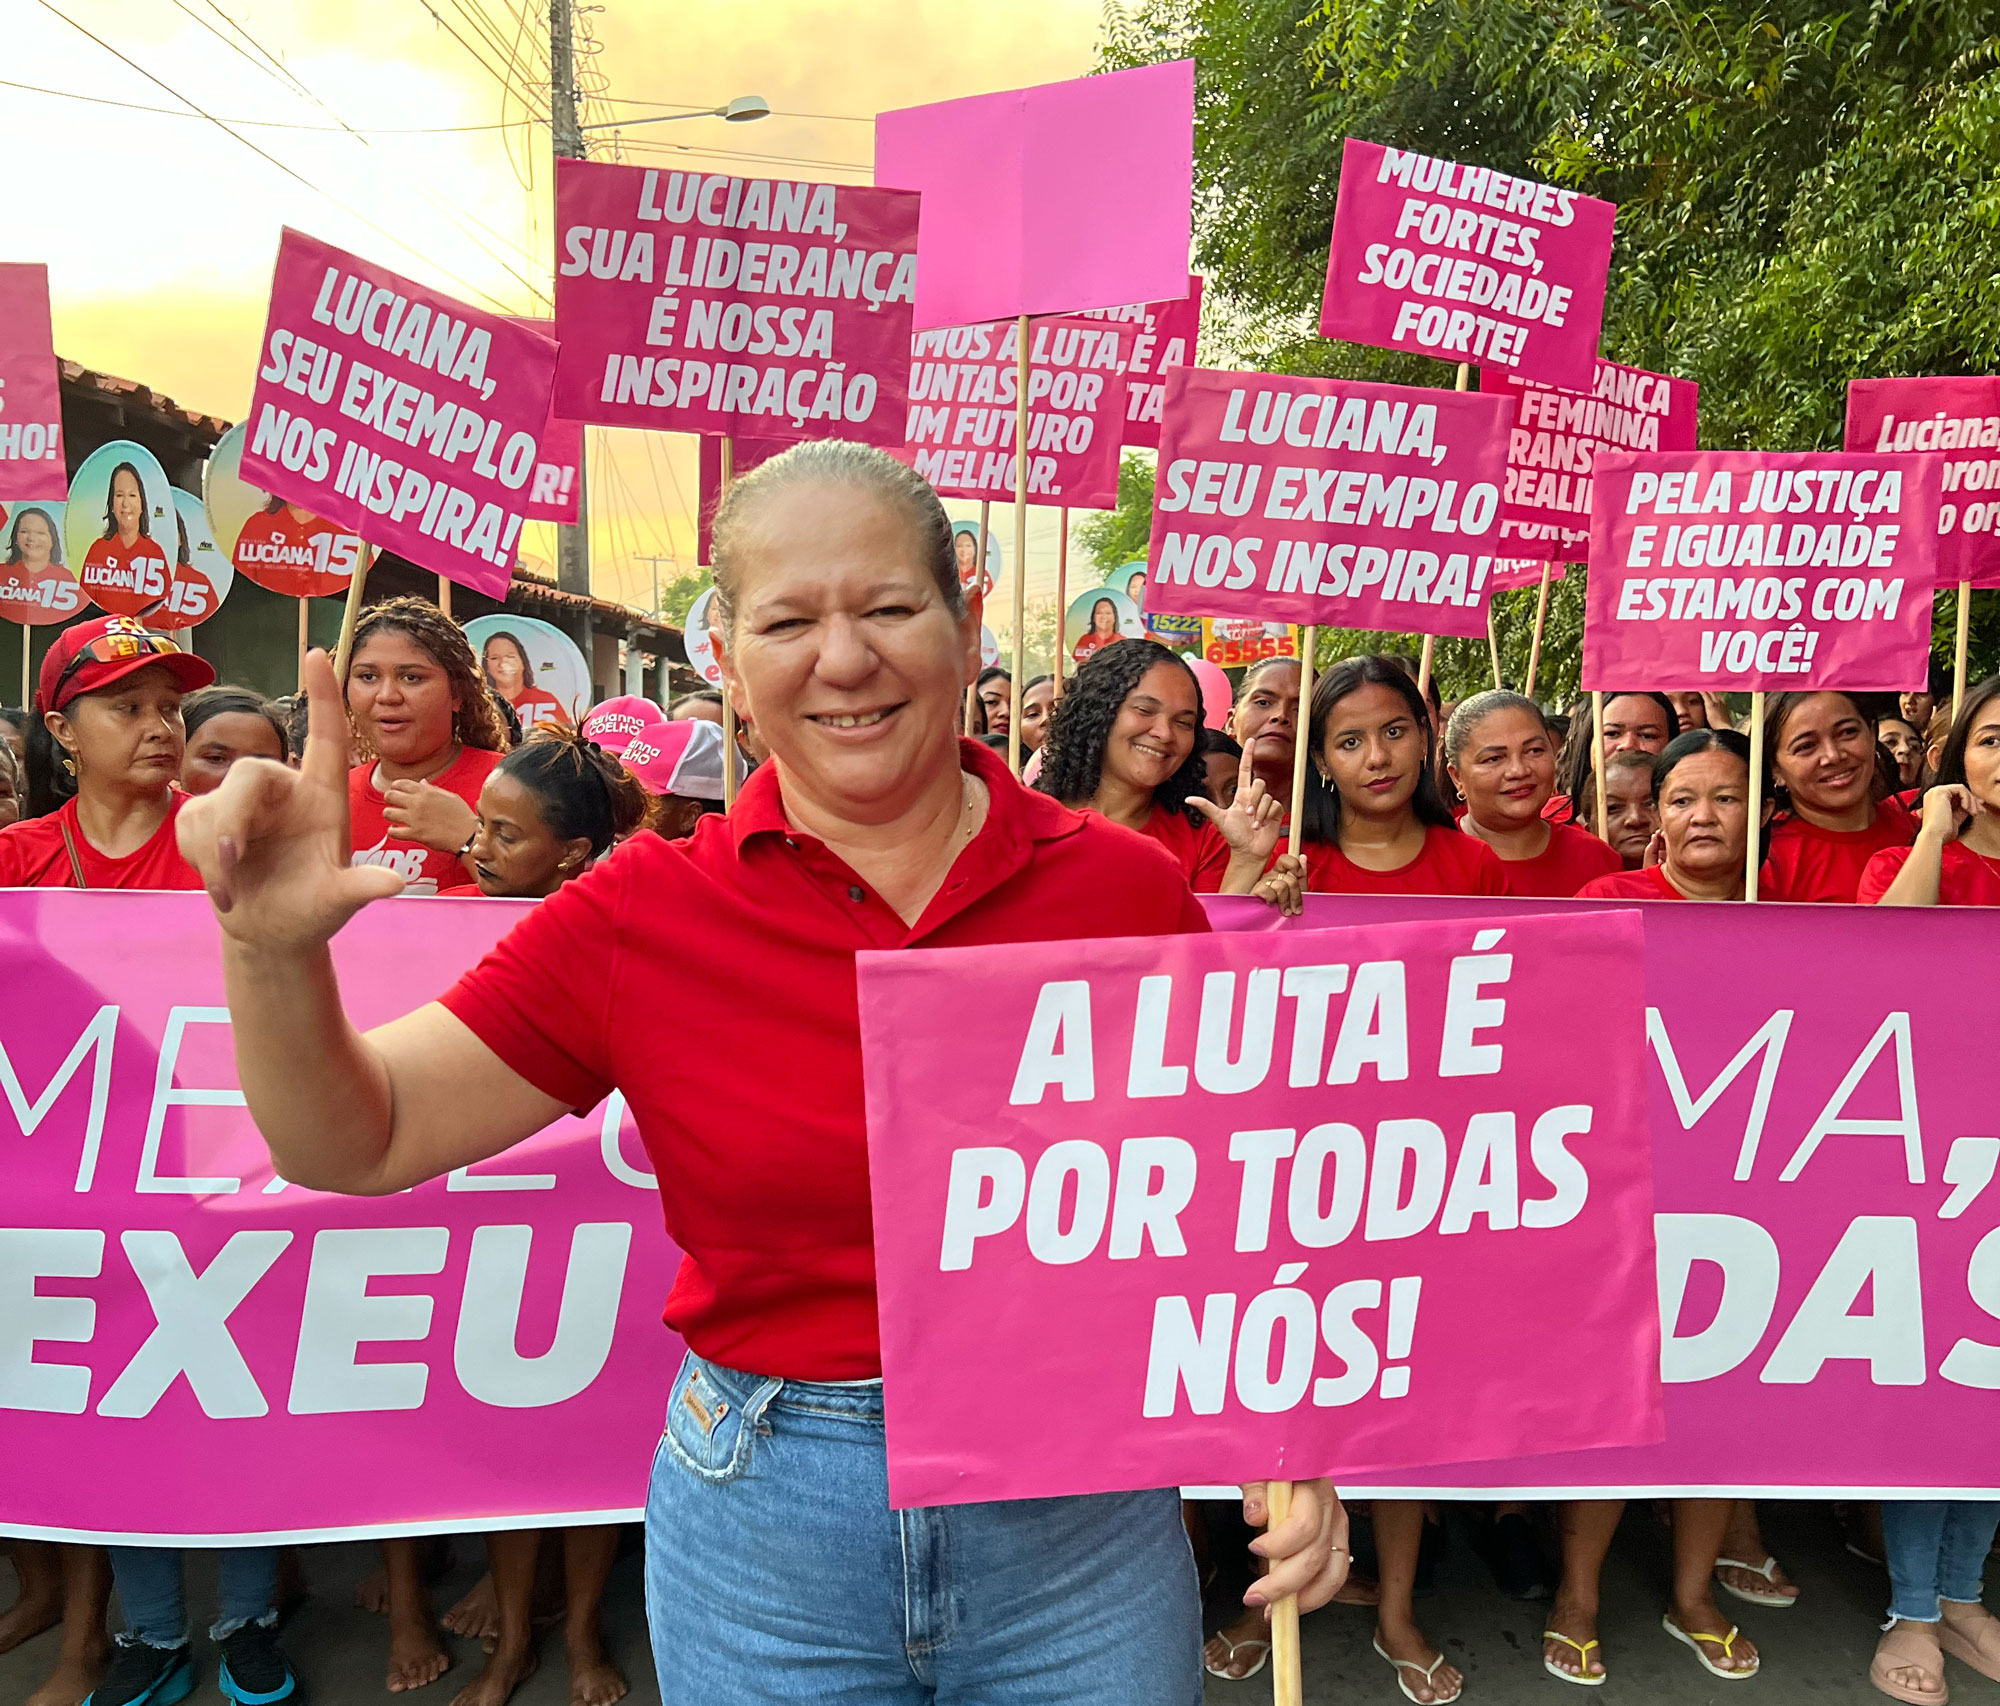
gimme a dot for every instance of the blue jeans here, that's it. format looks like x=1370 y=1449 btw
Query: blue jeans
x=1937 y=1551
x=776 y=1571
x=155 y=1603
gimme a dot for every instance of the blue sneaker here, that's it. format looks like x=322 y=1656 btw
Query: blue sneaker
x=144 y=1676
x=254 y=1671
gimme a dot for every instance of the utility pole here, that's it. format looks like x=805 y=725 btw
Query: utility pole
x=572 y=542
x=656 y=561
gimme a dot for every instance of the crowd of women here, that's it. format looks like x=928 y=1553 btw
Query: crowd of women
x=848 y=645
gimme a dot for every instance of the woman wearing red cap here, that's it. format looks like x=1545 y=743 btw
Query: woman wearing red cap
x=109 y=749
x=848 y=638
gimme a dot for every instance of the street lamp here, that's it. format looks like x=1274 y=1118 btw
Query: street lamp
x=741 y=110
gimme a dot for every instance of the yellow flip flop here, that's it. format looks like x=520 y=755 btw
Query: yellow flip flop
x=1689 y=1638
x=1582 y=1678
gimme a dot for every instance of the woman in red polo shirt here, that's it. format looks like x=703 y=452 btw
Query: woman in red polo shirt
x=429 y=737
x=1121 y=743
x=1822 y=776
x=1375 y=822
x=848 y=639
x=1956 y=858
x=109 y=750
x=1501 y=756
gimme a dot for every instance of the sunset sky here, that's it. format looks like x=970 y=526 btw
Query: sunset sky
x=159 y=228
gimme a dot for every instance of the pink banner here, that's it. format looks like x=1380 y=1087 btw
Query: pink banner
x=1049 y=200
x=557 y=483
x=1545 y=508
x=1165 y=335
x=963 y=386
x=1829 y=1264
x=399 y=412
x=1512 y=573
x=1123 y=1177
x=1751 y=569
x=31 y=437
x=311 y=1366
x=1467 y=264
x=693 y=302
x=1328 y=501
x=1959 y=419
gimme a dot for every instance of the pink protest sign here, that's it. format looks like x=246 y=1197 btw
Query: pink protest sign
x=1826 y=1197
x=313 y=1366
x=1467 y=264
x=1959 y=419
x=1165 y=334
x=963 y=386
x=31 y=440
x=557 y=483
x=1117 y=1167
x=1052 y=199
x=1752 y=569
x=1327 y=501
x=696 y=302
x=1546 y=504
x=399 y=412
x=1510 y=573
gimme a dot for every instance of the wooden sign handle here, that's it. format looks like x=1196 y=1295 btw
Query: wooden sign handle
x=357 y=591
x=1308 y=644
x=1287 y=1678
x=1541 y=621
x=731 y=764
x=1959 y=644
x=1752 y=838
x=1020 y=539
x=1597 y=767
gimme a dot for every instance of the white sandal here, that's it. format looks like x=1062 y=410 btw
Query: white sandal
x=1236 y=1647
x=1775 y=1600
x=1427 y=1672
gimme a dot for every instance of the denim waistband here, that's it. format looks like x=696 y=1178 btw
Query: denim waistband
x=859 y=1399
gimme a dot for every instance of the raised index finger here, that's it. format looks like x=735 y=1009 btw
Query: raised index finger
x=325 y=758
x=1245 y=770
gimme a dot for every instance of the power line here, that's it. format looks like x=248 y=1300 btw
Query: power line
x=742 y=154
x=700 y=107
x=257 y=123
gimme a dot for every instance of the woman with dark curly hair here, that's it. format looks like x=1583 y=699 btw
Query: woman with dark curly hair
x=1122 y=744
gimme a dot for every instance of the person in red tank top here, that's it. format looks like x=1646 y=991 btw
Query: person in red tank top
x=429 y=734
x=1501 y=756
x=1122 y=744
x=1822 y=774
x=1956 y=858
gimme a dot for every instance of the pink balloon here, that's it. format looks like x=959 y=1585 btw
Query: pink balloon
x=1216 y=694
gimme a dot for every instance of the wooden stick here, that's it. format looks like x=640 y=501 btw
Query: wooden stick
x=305 y=639
x=1752 y=830
x=27 y=667
x=1959 y=645
x=978 y=586
x=1492 y=641
x=1535 y=645
x=1308 y=645
x=1287 y=1679
x=971 y=699
x=1424 y=665
x=1020 y=539
x=1062 y=598
x=357 y=590
x=731 y=769
x=1597 y=766
x=444 y=595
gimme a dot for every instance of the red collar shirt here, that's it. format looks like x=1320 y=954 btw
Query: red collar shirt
x=745 y=933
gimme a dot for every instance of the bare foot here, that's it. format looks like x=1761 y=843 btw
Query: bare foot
x=477 y=1615
x=75 y=1675
x=502 y=1673
x=30 y=1615
x=371 y=1593
x=1358 y=1590
x=593 y=1679
x=1236 y=1649
x=417 y=1658
x=1419 y=1665
x=1568 y=1618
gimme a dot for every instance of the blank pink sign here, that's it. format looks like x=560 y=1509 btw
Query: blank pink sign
x=1048 y=200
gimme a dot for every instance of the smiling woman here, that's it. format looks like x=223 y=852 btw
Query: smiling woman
x=1822 y=773
x=843 y=633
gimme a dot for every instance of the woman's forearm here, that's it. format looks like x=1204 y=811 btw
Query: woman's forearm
x=1242 y=874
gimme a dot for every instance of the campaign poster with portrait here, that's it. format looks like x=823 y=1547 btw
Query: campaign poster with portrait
x=282 y=546
x=1236 y=642
x=202 y=574
x=119 y=531
x=965 y=542
x=37 y=585
x=700 y=642
x=1096 y=618
x=535 y=667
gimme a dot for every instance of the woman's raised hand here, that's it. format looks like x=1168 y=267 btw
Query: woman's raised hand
x=1253 y=821
x=1948 y=809
x=272 y=844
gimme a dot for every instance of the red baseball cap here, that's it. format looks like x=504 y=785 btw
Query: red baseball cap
x=90 y=655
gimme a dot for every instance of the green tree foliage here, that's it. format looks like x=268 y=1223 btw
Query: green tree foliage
x=1109 y=537
x=1807 y=193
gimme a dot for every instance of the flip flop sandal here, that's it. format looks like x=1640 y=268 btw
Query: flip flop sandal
x=1981 y=1651
x=1903 y=1649
x=1768 y=1570
x=1427 y=1672
x=1727 y=1643
x=1582 y=1678
x=1236 y=1647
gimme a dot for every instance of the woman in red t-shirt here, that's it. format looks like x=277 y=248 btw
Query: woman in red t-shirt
x=1701 y=796
x=1501 y=756
x=843 y=631
x=1822 y=775
x=125 y=570
x=1956 y=858
x=1265 y=720
x=1375 y=822
x=109 y=750
x=1122 y=744
x=429 y=736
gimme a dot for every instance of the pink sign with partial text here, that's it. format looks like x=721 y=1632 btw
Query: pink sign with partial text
x=1958 y=420
x=31 y=435
x=1165 y=334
